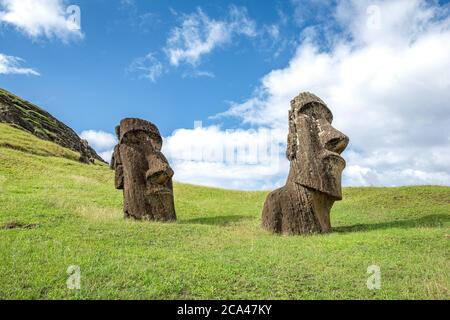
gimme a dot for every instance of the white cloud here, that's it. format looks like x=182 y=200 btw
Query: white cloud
x=102 y=142
x=99 y=140
x=387 y=85
x=41 y=18
x=198 y=74
x=273 y=31
x=197 y=35
x=313 y=11
x=200 y=34
x=147 y=67
x=12 y=65
x=107 y=155
x=216 y=174
x=236 y=159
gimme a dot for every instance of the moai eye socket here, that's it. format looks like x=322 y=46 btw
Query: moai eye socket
x=135 y=137
x=316 y=111
x=156 y=141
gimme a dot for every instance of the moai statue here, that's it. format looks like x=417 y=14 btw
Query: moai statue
x=143 y=172
x=303 y=205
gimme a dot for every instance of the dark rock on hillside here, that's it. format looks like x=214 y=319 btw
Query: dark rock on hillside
x=31 y=118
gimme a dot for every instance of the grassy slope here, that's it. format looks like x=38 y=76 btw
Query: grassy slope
x=37 y=121
x=216 y=249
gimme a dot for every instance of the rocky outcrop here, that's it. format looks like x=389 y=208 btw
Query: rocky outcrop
x=29 y=117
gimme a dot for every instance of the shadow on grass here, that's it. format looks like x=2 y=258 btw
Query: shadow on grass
x=434 y=220
x=217 y=221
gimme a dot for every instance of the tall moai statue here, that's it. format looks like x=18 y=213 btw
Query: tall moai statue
x=143 y=172
x=303 y=205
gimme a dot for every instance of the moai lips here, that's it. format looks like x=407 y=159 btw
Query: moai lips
x=314 y=183
x=143 y=172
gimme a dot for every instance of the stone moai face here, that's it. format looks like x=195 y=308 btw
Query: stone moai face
x=143 y=172
x=314 y=146
x=303 y=204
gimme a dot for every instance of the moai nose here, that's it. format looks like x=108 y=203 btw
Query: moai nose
x=160 y=177
x=159 y=171
x=334 y=140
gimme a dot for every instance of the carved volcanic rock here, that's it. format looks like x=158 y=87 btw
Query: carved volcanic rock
x=303 y=205
x=28 y=117
x=143 y=172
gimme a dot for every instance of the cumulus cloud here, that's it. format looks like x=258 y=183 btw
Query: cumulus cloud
x=236 y=159
x=200 y=34
x=42 y=18
x=12 y=65
x=237 y=177
x=106 y=155
x=384 y=78
x=102 y=142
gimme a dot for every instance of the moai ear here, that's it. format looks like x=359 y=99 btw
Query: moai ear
x=156 y=141
x=112 y=164
x=292 y=139
x=302 y=137
x=119 y=178
x=307 y=158
x=118 y=132
x=116 y=165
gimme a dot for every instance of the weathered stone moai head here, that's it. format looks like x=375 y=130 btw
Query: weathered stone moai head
x=143 y=172
x=314 y=183
x=314 y=146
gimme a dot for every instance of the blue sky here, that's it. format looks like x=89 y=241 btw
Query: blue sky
x=86 y=83
x=235 y=65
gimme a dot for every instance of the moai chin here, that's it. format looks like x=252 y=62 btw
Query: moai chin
x=303 y=205
x=143 y=172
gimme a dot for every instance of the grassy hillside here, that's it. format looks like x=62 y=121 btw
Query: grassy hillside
x=56 y=212
x=32 y=119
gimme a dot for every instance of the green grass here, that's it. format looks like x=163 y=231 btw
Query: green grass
x=14 y=138
x=71 y=215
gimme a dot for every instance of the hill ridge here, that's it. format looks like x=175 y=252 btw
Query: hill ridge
x=40 y=123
